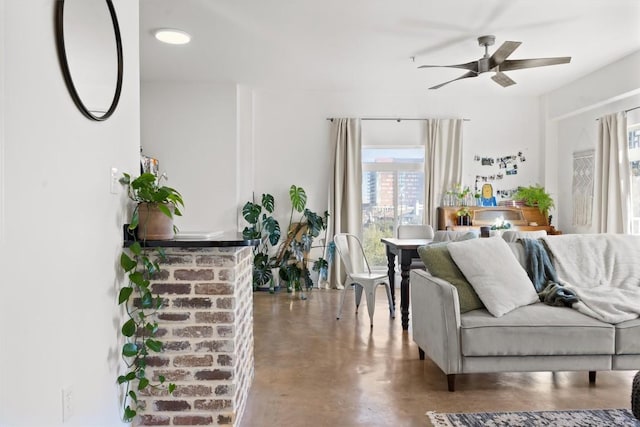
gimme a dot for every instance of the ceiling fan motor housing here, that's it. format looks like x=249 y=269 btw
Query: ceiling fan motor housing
x=486 y=40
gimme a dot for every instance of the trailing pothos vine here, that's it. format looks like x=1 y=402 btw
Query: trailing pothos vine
x=140 y=326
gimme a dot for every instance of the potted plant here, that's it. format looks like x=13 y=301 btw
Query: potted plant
x=156 y=205
x=464 y=216
x=140 y=265
x=535 y=195
x=263 y=226
x=292 y=256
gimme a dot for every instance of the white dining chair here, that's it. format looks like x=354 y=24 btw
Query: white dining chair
x=359 y=274
x=415 y=231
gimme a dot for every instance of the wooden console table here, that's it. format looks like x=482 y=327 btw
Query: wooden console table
x=523 y=218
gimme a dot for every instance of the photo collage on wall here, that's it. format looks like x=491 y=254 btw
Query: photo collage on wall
x=505 y=165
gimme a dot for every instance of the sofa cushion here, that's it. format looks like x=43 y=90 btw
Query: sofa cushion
x=453 y=236
x=514 y=235
x=628 y=337
x=495 y=274
x=439 y=263
x=532 y=330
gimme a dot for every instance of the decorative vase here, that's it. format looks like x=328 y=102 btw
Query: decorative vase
x=153 y=224
x=635 y=396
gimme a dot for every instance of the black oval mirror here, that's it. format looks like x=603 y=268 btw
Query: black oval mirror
x=90 y=52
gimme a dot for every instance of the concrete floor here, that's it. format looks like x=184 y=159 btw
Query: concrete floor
x=314 y=370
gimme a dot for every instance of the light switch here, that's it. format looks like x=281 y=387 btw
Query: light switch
x=115 y=185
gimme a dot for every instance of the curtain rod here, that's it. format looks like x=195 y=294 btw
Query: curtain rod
x=397 y=119
x=626 y=111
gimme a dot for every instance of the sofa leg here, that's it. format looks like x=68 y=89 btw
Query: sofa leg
x=592 y=377
x=421 y=353
x=451 y=382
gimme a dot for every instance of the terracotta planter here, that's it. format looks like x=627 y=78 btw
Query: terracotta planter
x=153 y=224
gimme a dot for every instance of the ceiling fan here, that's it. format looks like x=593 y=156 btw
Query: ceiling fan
x=498 y=62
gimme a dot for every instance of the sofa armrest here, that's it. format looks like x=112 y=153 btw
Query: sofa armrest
x=435 y=320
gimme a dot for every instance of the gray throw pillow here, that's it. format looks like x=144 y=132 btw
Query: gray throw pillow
x=439 y=263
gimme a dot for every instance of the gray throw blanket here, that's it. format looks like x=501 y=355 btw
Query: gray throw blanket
x=543 y=275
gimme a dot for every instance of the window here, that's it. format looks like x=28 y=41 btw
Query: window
x=634 y=158
x=392 y=194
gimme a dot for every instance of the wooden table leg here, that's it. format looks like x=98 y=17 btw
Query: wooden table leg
x=405 y=267
x=391 y=265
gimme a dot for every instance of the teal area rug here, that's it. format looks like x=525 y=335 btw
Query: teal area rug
x=577 y=418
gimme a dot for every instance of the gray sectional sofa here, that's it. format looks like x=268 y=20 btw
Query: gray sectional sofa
x=535 y=336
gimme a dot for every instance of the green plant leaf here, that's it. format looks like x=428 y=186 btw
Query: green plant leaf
x=251 y=212
x=161 y=378
x=315 y=222
x=129 y=349
x=172 y=388
x=129 y=414
x=154 y=345
x=152 y=327
x=133 y=396
x=135 y=219
x=268 y=202
x=129 y=328
x=143 y=383
x=272 y=227
x=127 y=263
x=165 y=210
x=137 y=278
x=126 y=378
x=147 y=299
x=124 y=294
x=158 y=303
x=135 y=248
x=298 y=198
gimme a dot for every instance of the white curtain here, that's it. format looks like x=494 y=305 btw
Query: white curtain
x=442 y=162
x=345 y=189
x=613 y=176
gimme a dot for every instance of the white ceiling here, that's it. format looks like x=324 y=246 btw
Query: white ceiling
x=367 y=44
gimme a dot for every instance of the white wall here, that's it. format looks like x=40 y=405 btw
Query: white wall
x=191 y=128
x=292 y=135
x=571 y=114
x=62 y=233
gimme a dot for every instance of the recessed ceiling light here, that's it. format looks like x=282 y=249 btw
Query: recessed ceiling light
x=172 y=36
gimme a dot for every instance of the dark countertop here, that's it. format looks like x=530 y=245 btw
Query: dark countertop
x=224 y=240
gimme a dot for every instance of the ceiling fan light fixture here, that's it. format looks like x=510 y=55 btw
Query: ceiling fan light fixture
x=172 y=36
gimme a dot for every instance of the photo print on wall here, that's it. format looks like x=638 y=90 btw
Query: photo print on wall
x=507 y=166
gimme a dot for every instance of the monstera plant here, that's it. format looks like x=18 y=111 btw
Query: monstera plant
x=262 y=226
x=292 y=256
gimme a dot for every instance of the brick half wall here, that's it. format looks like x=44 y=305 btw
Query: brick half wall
x=206 y=327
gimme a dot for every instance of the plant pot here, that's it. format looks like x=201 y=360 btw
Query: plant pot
x=153 y=224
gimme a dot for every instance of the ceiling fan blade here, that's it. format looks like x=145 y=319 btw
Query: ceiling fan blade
x=502 y=79
x=471 y=66
x=503 y=53
x=518 y=64
x=464 y=76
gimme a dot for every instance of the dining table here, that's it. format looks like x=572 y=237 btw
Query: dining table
x=406 y=250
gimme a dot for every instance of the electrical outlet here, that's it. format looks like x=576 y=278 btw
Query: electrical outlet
x=114 y=182
x=67 y=403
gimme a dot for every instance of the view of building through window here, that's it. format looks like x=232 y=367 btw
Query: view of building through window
x=392 y=194
x=634 y=158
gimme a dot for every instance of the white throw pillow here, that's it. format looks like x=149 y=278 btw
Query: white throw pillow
x=495 y=274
